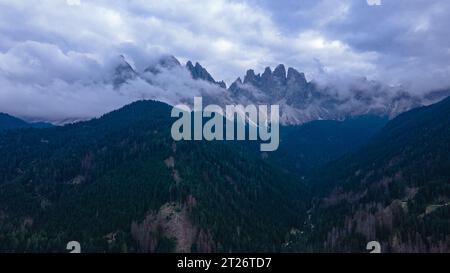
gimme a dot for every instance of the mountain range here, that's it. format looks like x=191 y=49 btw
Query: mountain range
x=368 y=163
x=300 y=100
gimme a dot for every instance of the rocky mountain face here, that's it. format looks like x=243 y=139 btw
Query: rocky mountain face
x=198 y=72
x=300 y=100
x=123 y=73
x=166 y=62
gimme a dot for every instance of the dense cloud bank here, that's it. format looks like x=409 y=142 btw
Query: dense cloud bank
x=58 y=58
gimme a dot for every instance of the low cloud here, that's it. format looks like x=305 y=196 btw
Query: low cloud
x=42 y=83
x=57 y=57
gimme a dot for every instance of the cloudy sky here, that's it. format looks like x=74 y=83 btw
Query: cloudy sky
x=50 y=48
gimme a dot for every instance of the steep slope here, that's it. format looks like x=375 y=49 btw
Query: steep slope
x=164 y=62
x=8 y=122
x=120 y=183
x=311 y=145
x=396 y=189
x=302 y=101
x=199 y=72
x=123 y=73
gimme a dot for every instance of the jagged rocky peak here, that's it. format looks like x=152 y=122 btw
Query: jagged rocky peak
x=280 y=73
x=222 y=84
x=164 y=62
x=123 y=72
x=299 y=92
x=278 y=86
x=251 y=78
x=190 y=66
x=169 y=61
x=277 y=78
x=267 y=73
x=234 y=87
x=294 y=76
x=199 y=72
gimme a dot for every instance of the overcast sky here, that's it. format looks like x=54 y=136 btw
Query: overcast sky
x=70 y=41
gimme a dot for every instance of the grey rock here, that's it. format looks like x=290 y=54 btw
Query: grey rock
x=199 y=72
x=123 y=73
x=165 y=62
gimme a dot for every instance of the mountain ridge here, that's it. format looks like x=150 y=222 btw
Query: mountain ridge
x=300 y=100
x=8 y=122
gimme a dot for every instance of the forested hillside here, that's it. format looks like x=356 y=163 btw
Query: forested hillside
x=120 y=183
x=395 y=190
x=309 y=146
x=9 y=122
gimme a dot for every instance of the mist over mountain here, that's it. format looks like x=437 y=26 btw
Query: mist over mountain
x=89 y=154
x=300 y=100
x=121 y=80
x=66 y=63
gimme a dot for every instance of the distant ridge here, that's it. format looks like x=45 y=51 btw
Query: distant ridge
x=8 y=122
